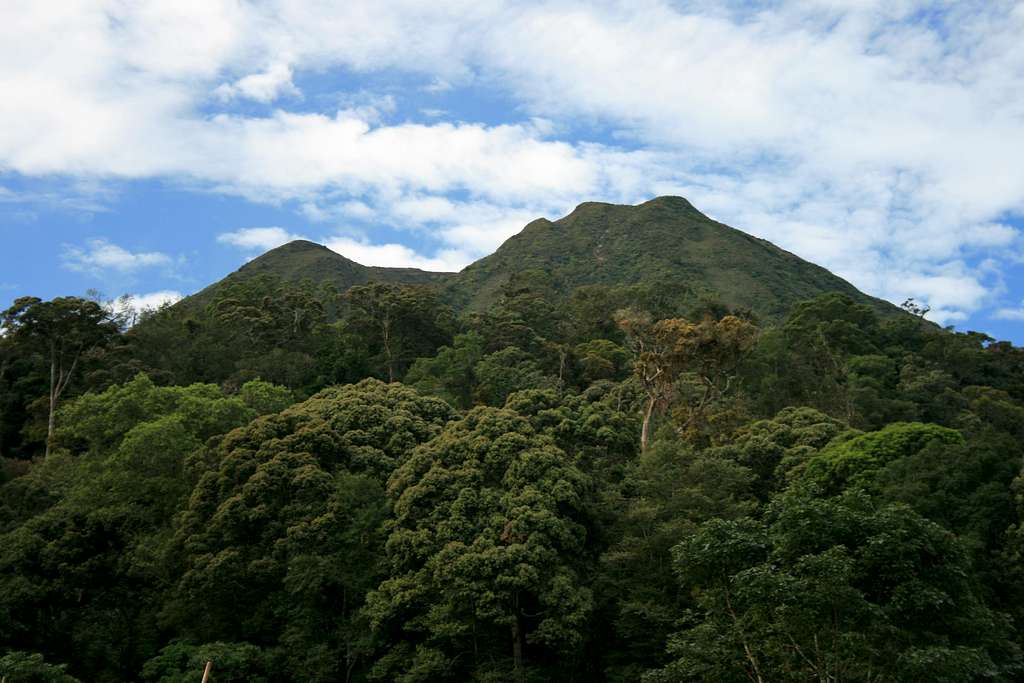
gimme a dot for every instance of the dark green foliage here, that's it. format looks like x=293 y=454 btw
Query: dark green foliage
x=395 y=324
x=834 y=589
x=828 y=489
x=292 y=508
x=451 y=374
x=666 y=493
x=59 y=335
x=601 y=359
x=182 y=663
x=484 y=556
x=504 y=372
x=770 y=448
x=81 y=553
x=24 y=667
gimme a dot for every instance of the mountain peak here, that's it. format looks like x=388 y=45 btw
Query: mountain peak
x=664 y=244
x=666 y=202
x=670 y=201
x=304 y=260
x=299 y=245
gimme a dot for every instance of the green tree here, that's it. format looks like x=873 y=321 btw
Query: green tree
x=691 y=366
x=181 y=662
x=856 y=460
x=601 y=359
x=24 y=667
x=399 y=322
x=65 y=329
x=770 y=448
x=83 y=568
x=834 y=589
x=291 y=508
x=484 y=556
x=505 y=372
x=451 y=374
x=667 y=492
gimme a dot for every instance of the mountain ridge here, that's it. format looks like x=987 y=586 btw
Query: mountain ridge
x=302 y=259
x=663 y=240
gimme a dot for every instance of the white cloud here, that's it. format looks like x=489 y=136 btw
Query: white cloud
x=265 y=86
x=394 y=255
x=438 y=85
x=130 y=306
x=100 y=255
x=1010 y=313
x=258 y=239
x=852 y=133
x=156 y=299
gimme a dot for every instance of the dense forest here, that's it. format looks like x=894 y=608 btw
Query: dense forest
x=632 y=481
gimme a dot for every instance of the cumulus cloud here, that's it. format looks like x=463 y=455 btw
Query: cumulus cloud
x=156 y=299
x=130 y=307
x=1010 y=313
x=853 y=133
x=139 y=303
x=257 y=239
x=99 y=256
x=265 y=86
x=394 y=255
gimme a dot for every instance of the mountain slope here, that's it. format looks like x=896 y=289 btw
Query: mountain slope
x=301 y=259
x=662 y=240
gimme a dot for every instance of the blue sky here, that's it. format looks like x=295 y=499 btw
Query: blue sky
x=150 y=148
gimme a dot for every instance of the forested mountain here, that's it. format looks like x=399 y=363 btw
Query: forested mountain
x=631 y=445
x=300 y=260
x=665 y=245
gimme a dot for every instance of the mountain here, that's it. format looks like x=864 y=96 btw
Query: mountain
x=301 y=259
x=664 y=240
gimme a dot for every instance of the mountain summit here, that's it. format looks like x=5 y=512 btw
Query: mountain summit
x=302 y=259
x=664 y=241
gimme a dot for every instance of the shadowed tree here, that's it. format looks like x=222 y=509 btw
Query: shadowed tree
x=64 y=329
x=834 y=589
x=398 y=322
x=484 y=556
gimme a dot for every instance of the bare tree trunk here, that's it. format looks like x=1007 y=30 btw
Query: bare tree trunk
x=51 y=419
x=645 y=428
x=58 y=383
x=3 y=373
x=386 y=334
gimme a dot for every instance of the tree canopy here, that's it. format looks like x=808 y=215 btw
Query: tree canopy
x=624 y=482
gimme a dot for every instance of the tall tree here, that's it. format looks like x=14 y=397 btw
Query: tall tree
x=399 y=322
x=834 y=589
x=703 y=355
x=65 y=329
x=292 y=508
x=484 y=554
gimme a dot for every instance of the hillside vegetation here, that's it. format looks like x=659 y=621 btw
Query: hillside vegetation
x=300 y=260
x=664 y=244
x=632 y=445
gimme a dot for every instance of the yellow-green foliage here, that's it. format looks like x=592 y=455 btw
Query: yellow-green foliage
x=854 y=460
